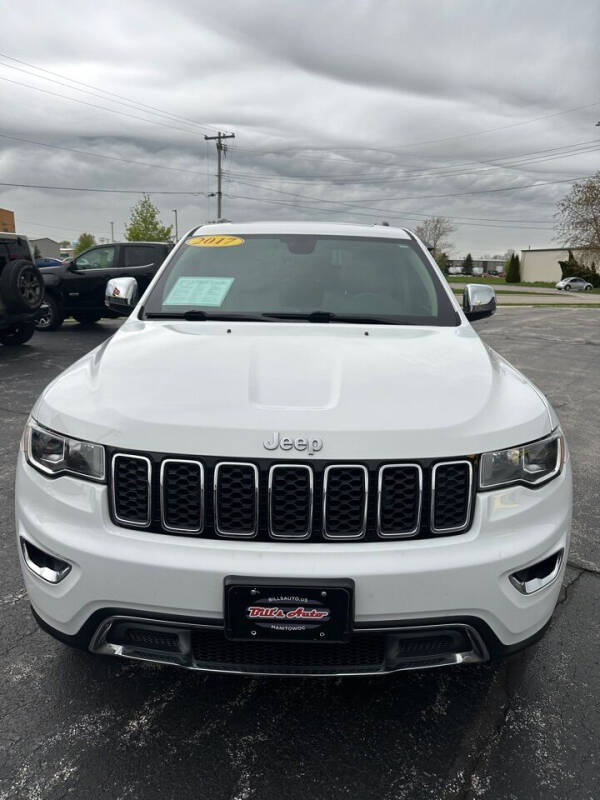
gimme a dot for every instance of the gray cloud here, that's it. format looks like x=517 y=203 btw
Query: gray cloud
x=340 y=108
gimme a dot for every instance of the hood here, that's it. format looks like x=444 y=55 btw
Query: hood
x=215 y=388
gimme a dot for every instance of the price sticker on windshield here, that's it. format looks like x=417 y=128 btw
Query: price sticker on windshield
x=192 y=291
x=215 y=241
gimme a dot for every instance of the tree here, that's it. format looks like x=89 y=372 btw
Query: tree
x=64 y=243
x=578 y=215
x=144 y=224
x=513 y=270
x=434 y=232
x=442 y=262
x=467 y=265
x=85 y=240
x=36 y=252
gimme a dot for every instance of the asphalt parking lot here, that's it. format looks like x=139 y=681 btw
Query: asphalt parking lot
x=84 y=727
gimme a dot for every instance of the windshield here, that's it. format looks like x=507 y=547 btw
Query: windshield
x=278 y=276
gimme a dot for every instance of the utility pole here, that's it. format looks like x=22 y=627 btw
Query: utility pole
x=112 y=231
x=221 y=148
x=176 y=228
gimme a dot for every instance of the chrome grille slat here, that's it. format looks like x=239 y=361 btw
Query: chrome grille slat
x=437 y=487
x=276 y=496
x=404 y=531
x=138 y=484
x=166 y=485
x=357 y=511
x=221 y=530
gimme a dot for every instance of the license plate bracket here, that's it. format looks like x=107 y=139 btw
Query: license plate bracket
x=277 y=610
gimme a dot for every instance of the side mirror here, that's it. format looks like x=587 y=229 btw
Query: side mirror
x=479 y=301
x=121 y=295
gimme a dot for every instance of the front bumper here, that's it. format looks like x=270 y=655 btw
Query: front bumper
x=403 y=582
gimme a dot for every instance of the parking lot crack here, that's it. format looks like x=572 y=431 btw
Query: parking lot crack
x=567 y=587
x=584 y=566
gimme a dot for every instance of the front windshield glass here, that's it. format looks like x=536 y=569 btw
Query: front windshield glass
x=341 y=276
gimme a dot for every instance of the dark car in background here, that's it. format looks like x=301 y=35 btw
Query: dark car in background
x=48 y=262
x=76 y=288
x=21 y=290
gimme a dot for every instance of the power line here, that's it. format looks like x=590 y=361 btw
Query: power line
x=377 y=215
x=88 y=189
x=590 y=145
x=98 y=92
x=350 y=204
x=450 y=138
x=475 y=191
x=93 y=105
x=99 y=155
x=486 y=191
x=45 y=225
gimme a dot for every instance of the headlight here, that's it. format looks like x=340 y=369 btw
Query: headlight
x=531 y=464
x=55 y=454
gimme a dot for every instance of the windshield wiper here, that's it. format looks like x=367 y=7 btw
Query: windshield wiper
x=196 y=314
x=330 y=316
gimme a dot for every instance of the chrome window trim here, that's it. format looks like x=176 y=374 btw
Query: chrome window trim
x=363 y=530
x=148 y=482
x=401 y=534
x=163 y=521
x=465 y=524
x=311 y=494
x=218 y=530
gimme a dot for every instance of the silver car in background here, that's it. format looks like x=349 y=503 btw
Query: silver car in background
x=574 y=285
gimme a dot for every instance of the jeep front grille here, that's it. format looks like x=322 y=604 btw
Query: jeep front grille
x=311 y=501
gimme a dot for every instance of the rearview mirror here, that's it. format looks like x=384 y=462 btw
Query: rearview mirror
x=121 y=295
x=479 y=301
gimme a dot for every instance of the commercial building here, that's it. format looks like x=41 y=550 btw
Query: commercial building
x=542 y=264
x=7 y=221
x=47 y=248
x=480 y=265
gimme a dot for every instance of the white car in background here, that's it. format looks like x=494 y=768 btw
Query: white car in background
x=295 y=457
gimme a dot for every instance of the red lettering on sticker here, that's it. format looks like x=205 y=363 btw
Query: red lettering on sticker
x=274 y=612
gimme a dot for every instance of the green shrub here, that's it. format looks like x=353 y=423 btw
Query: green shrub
x=513 y=271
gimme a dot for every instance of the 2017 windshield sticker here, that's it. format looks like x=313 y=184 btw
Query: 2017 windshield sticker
x=192 y=291
x=215 y=241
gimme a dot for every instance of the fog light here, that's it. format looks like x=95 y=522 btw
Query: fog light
x=42 y=564
x=537 y=576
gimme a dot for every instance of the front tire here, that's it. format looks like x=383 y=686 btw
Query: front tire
x=18 y=334
x=50 y=317
x=21 y=286
x=567 y=288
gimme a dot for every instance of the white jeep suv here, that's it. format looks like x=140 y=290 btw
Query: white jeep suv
x=295 y=457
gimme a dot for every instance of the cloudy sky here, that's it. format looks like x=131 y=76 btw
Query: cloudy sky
x=350 y=110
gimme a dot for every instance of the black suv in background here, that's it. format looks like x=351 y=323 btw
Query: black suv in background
x=21 y=290
x=76 y=288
